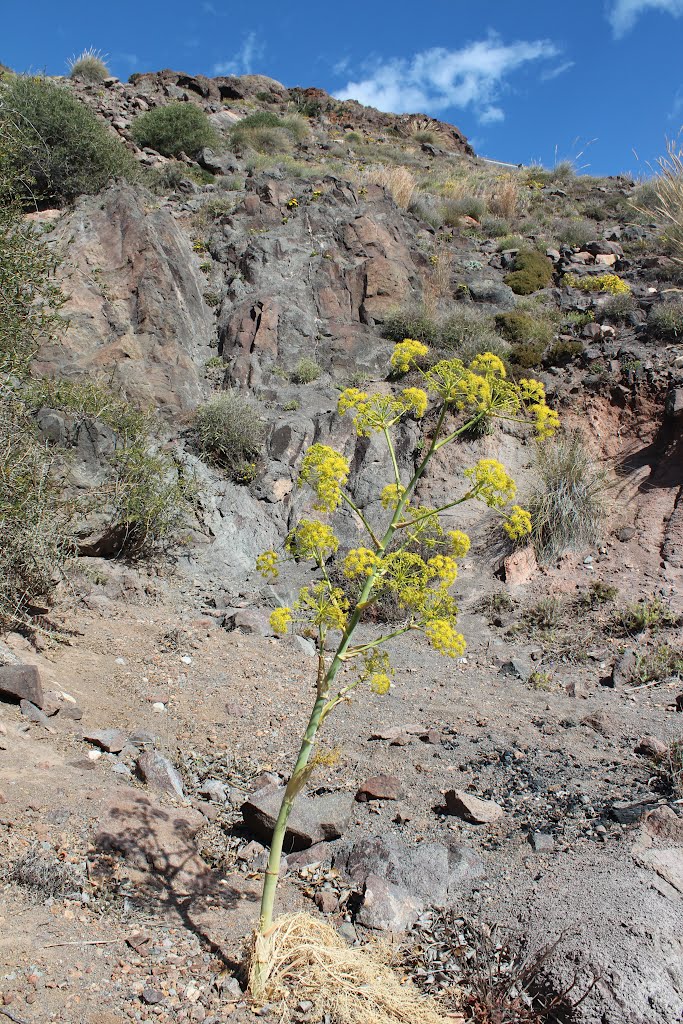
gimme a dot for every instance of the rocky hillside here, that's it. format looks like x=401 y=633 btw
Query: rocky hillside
x=536 y=785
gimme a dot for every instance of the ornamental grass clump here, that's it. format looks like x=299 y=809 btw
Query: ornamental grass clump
x=454 y=399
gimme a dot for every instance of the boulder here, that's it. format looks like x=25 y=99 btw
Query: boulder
x=313 y=819
x=380 y=787
x=158 y=772
x=21 y=682
x=387 y=906
x=432 y=872
x=471 y=808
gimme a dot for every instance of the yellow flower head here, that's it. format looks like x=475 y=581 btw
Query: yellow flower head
x=492 y=483
x=359 y=562
x=380 y=683
x=292 y=203
x=406 y=354
x=458 y=386
x=391 y=495
x=531 y=390
x=546 y=420
x=444 y=638
x=486 y=363
x=445 y=569
x=266 y=564
x=323 y=605
x=460 y=543
x=280 y=620
x=518 y=524
x=416 y=401
x=326 y=472
x=351 y=398
x=312 y=539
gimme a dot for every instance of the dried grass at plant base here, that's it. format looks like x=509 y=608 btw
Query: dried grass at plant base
x=307 y=959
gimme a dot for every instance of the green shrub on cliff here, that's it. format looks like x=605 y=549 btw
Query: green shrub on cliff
x=174 y=129
x=532 y=270
x=59 y=149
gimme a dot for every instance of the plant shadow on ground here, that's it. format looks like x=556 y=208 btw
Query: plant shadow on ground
x=179 y=879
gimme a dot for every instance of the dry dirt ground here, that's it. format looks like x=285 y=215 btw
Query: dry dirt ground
x=156 y=931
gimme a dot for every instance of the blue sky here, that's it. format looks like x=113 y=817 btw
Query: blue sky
x=598 y=81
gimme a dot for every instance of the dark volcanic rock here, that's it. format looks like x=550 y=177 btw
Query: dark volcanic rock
x=21 y=682
x=313 y=820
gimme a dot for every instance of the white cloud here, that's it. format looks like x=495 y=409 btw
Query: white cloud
x=623 y=14
x=242 y=62
x=435 y=79
x=547 y=76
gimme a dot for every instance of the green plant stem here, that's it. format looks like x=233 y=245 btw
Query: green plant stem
x=320 y=709
x=354 y=508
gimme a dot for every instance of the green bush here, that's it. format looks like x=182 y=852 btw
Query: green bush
x=531 y=271
x=466 y=331
x=60 y=150
x=34 y=518
x=562 y=353
x=527 y=354
x=618 y=308
x=410 y=322
x=495 y=227
x=305 y=371
x=90 y=66
x=574 y=231
x=568 y=507
x=518 y=327
x=666 y=319
x=508 y=242
x=174 y=129
x=266 y=132
x=230 y=432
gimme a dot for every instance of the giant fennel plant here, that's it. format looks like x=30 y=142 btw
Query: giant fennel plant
x=456 y=398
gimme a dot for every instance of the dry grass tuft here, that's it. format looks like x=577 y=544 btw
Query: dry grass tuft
x=398 y=180
x=504 y=202
x=303 y=958
x=669 y=197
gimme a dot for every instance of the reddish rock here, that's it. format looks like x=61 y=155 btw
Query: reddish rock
x=663 y=823
x=650 y=746
x=520 y=566
x=21 y=682
x=111 y=740
x=326 y=901
x=159 y=773
x=471 y=808
x=380 y=787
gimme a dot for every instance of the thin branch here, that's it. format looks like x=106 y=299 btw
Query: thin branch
x=352 y=505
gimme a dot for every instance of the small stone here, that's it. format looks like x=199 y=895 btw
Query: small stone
x=21 y=682
x=628 y=813
x=158 y=707
x=380 y=787
x=159 y=773
x=542 y=842
x=348 y=932
x=152 y=996
x=387 y=907
x=624 y=668
x=251 y=851
x=3 y=798
x=516 y=667
x=432 y=736
x=650 y=746
x=598 y=722
x=313 y=820
x=215 y=790
x=72 y=712
x=471 y=808
x=326 y=901
x=34 y=714
x=626 y=533
x=304 y=1006
x=663 y=823
x=111 y=740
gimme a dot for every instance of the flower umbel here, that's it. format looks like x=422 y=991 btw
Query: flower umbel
x=280 y=620
x=326 y=472
x=492 y=483
x=266 y=564
x=406 y=354
x=312 y=539
x=518 y=524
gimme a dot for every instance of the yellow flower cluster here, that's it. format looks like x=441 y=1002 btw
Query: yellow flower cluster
x=376 y=671
x=460 y=543
x=376 y=412
x=492 y=483
x=486 y=363
x=380 y=683
x=312 y=539
x=292 y=203
x=546 y=420
x=406 y=354
x=518 y=524
x=323 y=605
x=266 y=564
x=280 y=620
x=359 y=562
x=326 y=472
x=391 y=495
x=611 y=283
x=531 y=391
x=445 y=569
x=458 y=386
x=444 y=638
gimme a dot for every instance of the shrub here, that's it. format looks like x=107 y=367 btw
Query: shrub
x=230 y=432
x=666 y=319
x=466 y=331
x=467 y=206
x=174 y=175
x=508 y=242
x=495 y=227
x=518 y=327
x=611 y=283
x=410 y=322
x=619 y=307
x=266 y=132
x=568 y=507
x=34 y=519
x=668 y=204
x=60 y=150
x=305 y=371
x=174 y=129
x=399 y=181
x=531 y=271
x=574 y=232
x=526 y=354
x=90 y=66
x=562 y=353
x=649 y=613
x=660 y=663
x=505 y=200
